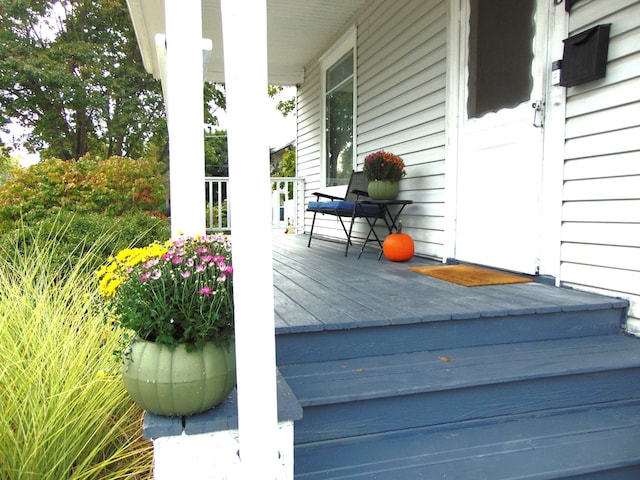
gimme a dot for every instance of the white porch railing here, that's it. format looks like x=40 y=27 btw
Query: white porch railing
x=287 y=204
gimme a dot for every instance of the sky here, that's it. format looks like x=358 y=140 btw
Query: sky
x=23 y=156
x=281 y=130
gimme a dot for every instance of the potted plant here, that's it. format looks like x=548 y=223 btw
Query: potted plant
x=383 y=170
x=175 y=302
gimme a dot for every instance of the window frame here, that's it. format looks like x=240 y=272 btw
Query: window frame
x=340 y=48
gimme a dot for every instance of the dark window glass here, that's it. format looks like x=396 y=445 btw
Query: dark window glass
x=500 y=54
x=339 y=121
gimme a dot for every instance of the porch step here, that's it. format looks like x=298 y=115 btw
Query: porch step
x=403 y=376
x=385 y=393
x=463 y=324
x=550 y=409
x=602 y=442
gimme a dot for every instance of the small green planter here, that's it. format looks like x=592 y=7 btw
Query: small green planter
x=383 y=189
x=178 y=383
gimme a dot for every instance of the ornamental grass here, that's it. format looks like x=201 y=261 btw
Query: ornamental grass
x=65 y=412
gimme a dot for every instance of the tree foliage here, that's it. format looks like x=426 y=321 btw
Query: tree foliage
x=72 y=76
x=7 y=164
x=216 y=155
x=287 y=166
x=284 y=106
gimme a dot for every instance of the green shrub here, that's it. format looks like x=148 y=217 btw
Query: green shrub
x=112 y=187
x=65 y=412
x=216 y=212
x=86 y=239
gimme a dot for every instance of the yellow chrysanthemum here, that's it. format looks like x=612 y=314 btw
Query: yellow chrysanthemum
x=115 y=272
x=109 y=284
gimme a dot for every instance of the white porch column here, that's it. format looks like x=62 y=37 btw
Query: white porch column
x=244 y=29
x=185 y=116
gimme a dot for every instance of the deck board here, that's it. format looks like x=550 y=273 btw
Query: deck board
x=319 y=288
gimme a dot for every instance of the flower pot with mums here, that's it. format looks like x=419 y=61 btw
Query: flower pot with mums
x=384 y=171
x=175 y=300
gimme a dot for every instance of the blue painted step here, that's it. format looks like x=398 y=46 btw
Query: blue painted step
x=602 y=442
x=440 y=328
x=411 y=390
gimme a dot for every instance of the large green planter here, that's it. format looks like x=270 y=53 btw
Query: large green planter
x=383 y=189
x=177 y=383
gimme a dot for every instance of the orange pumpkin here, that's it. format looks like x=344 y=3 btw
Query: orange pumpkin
x=398 y=247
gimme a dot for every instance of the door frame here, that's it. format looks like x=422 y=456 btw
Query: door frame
x=553 y=135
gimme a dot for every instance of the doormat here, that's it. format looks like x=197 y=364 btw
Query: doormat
x=469 y=276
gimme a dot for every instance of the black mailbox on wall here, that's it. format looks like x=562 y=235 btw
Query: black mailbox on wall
x=567 y=4
x=585 y=56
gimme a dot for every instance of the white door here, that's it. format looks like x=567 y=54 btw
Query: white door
x=500 y=133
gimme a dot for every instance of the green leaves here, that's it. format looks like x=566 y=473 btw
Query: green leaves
x=89 y=185
x=65 y=412
x=179 y=292
x=71 y=73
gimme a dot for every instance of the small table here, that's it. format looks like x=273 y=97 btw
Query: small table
x=390 y=219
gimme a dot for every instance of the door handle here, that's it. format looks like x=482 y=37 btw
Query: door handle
x=538 y=113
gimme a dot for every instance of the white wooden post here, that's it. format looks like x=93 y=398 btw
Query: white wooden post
x=244 y=29
x=185 y=116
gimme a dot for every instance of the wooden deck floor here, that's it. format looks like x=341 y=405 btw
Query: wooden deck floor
x=318 y=288
x=400 y=375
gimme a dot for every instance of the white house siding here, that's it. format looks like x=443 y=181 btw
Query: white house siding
x=601 y=201
x=308 y=129
x=401 y=78
x=401 y=105
x=309 y=153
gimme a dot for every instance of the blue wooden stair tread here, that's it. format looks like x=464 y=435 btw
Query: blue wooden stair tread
x=337 y=381
x=559 y=445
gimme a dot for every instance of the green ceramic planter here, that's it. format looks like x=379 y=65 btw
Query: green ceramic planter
x=178 y=383
x=383 y=189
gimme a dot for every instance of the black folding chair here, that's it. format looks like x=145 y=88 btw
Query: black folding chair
x=349 y=206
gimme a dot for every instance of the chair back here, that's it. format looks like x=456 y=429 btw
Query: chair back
x=357 y=182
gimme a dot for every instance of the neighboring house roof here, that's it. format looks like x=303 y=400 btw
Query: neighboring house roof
x=279 y=150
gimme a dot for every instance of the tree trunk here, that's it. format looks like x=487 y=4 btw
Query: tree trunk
x=80 y=144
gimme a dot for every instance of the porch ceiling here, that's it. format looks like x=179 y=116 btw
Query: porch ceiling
x=299 y=31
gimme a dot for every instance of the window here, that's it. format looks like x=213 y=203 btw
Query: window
x=500 y=54
x=339 y=81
